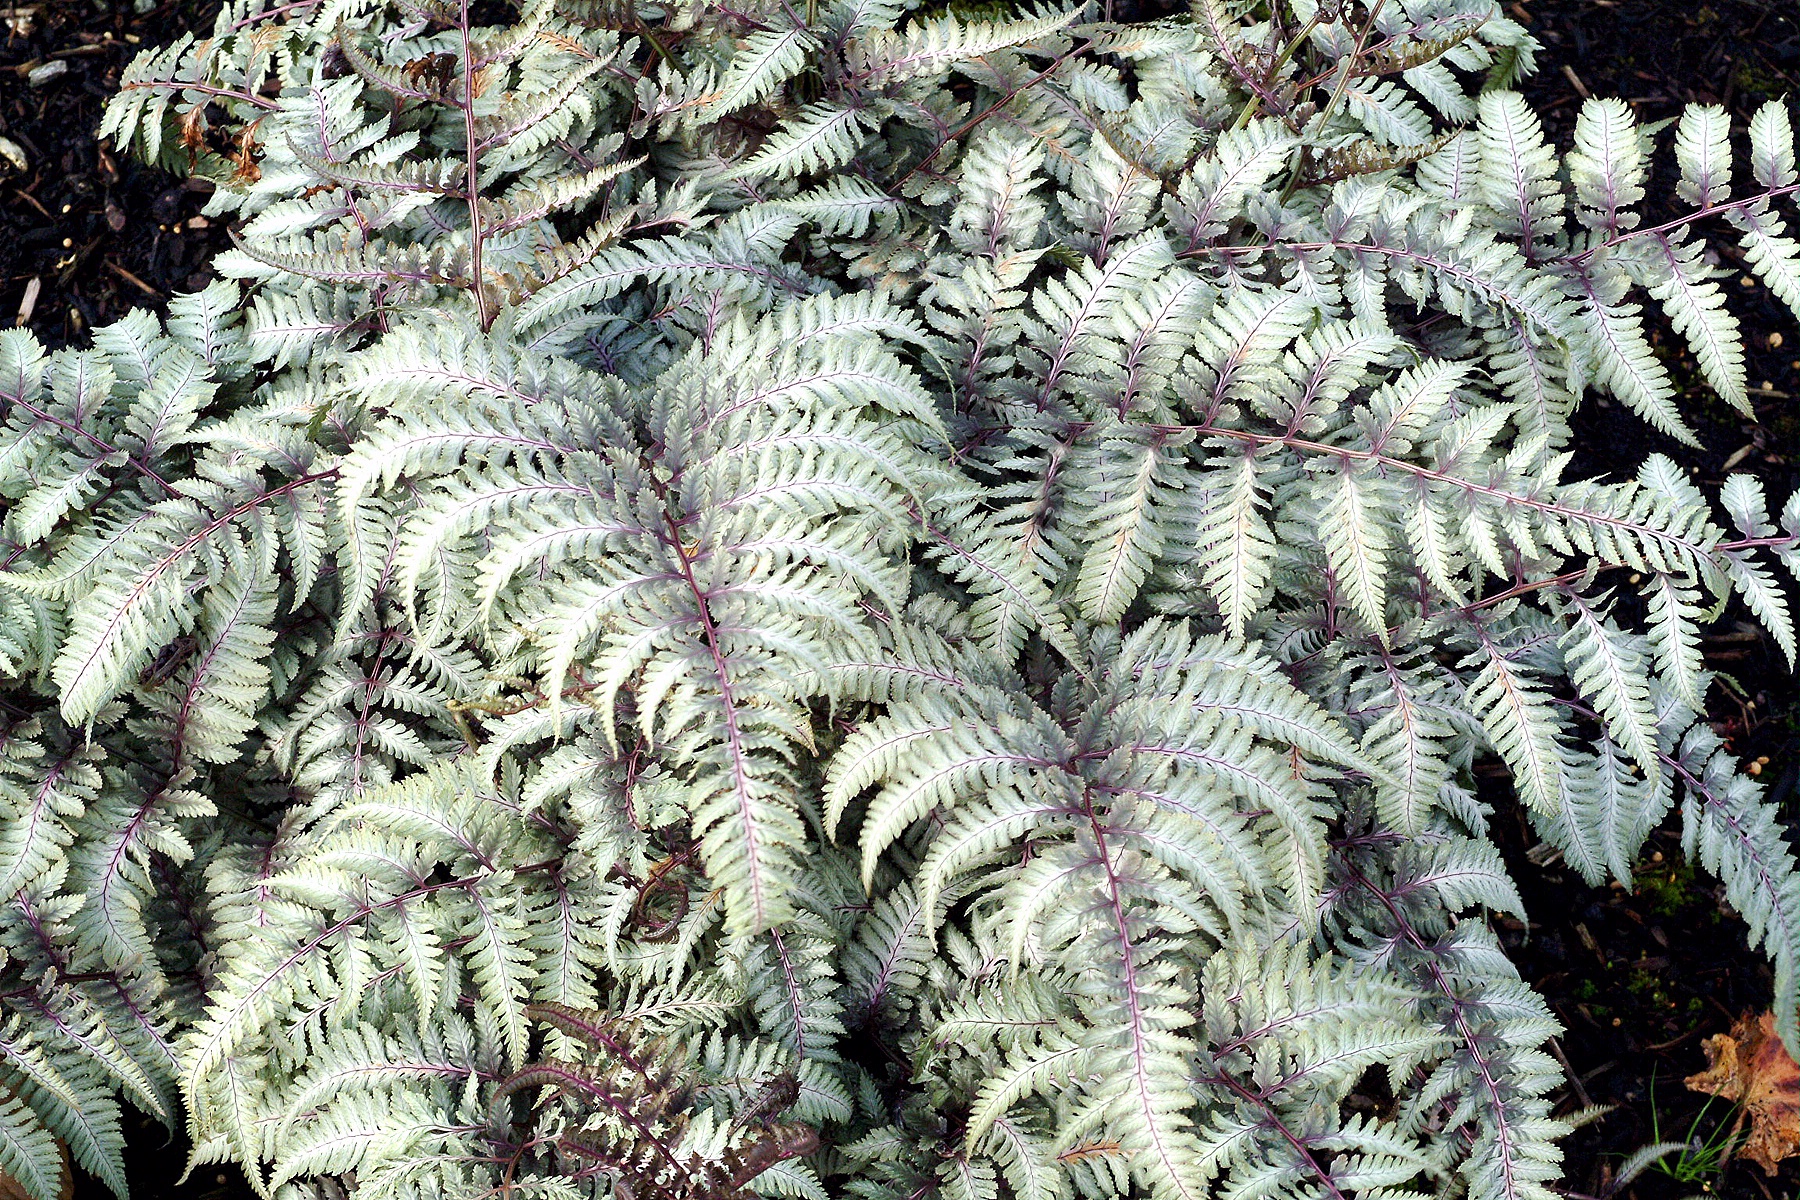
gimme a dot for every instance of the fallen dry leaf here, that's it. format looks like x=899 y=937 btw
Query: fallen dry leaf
x=1751 y=1066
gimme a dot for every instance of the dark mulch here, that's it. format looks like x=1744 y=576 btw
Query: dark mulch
x=1638 y=977
x=98 y=232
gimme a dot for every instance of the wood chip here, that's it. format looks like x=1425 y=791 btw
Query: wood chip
x=43 y=73
x=28 y=304
x=1580 y=87
x=21 y=19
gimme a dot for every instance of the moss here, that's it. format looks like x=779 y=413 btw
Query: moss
x=1750 y=80
x=1667 y=887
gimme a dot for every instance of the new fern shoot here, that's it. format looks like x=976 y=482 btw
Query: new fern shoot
x=840 y=599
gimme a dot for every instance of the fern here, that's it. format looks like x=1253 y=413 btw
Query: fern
x=823 y=600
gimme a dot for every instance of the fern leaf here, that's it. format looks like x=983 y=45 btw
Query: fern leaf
x=768 y=59
x=1703 y=150
x=1518 y=171
x=29 y=1153
x=1609 y=671
x=1607 y=166
x=1523 y=727
x=1356 y=543
x=1126 y=533
x=1624 y=362
x=1674 y=635
x=1236 y=546
x=1697 y=310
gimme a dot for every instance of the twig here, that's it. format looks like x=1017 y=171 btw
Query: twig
x=1581 y=1093
x=205 y=89
x=128 y=277
x=1343 y=83
x=34 y=202
x=270 y=13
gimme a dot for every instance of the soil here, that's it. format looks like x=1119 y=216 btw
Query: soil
x=97 y=231
x=1638 y=977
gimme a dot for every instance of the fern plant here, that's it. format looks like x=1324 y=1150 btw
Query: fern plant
x=838 y=599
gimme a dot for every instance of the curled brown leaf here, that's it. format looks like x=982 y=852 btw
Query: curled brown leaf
x=1751 y=1066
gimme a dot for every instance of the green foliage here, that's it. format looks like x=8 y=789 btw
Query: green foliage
x=1698 y=1161
x=830 y=600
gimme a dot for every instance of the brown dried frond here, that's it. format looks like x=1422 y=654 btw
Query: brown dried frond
x=244 y=155
x=1109 y=1148
x=1403 y=54
x=626 y=1113
x=1366 y=158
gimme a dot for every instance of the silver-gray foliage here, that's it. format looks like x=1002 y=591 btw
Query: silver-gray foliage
x=944 y=574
